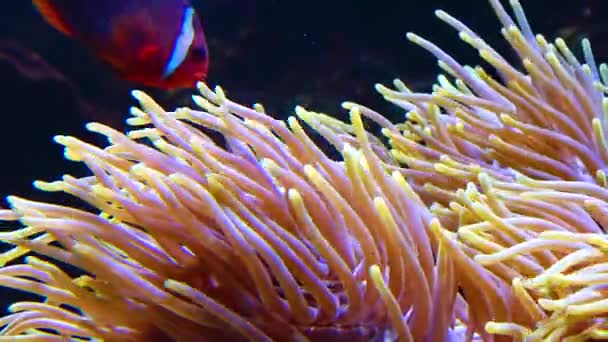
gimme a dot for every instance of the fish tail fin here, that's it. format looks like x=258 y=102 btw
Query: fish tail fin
x=49 y=12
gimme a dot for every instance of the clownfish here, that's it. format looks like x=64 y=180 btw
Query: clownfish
x=158 y=43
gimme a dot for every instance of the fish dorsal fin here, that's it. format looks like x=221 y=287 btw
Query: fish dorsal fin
x=51 y=15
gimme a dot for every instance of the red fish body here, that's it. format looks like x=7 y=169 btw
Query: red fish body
x=157 y=43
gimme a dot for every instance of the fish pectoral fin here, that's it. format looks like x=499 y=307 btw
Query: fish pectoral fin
x=50 y=14
x=148 y=52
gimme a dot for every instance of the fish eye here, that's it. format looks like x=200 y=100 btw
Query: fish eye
x=198 y=54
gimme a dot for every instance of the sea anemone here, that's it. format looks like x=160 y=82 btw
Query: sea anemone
x=482 y=217
x=263 y=237
x=514 y=168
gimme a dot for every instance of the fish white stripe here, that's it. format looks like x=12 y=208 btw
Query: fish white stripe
x=182 y=43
